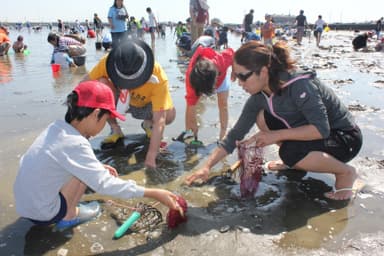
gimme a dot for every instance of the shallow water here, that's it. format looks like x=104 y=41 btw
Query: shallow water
x=288 y=213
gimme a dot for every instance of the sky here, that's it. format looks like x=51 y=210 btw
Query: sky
x=174 y=10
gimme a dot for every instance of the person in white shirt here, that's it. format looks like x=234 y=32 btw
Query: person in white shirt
x=319 y=27
x=60 y=164
x=152 y=26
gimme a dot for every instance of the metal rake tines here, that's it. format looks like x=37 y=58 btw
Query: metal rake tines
x=150 y=217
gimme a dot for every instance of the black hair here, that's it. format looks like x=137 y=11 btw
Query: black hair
x=203 y=77
x=115 y=5
x=53 y=37
x=75 y=112
x=208 y=32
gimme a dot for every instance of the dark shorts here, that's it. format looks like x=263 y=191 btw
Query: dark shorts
x=344 y=145
x=152 y=29
x=59 y=216
x=318 y=31
x=144 y=113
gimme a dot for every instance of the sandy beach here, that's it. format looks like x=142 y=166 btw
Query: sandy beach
x=289 y=214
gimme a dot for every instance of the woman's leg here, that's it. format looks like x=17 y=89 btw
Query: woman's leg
x=345 y=174
x=72 y=192
x=115 y=39
x=153 y=39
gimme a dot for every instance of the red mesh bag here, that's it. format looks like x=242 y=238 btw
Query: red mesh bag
x=251 y=169
x=174 y=218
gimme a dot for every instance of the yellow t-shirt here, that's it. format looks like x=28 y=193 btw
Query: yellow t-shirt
x=156 y=93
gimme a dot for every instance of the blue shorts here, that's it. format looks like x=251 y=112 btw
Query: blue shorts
x=225 y=85
x=59 y=216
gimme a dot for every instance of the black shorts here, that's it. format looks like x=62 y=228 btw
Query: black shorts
x=59 y=216
x=344 y=144
x=152 y=29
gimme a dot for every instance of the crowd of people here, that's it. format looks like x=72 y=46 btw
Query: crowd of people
x=293 y=109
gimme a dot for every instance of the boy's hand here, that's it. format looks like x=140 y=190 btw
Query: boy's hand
x=111 y=170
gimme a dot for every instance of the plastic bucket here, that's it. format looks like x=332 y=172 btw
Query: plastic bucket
x=55 y=67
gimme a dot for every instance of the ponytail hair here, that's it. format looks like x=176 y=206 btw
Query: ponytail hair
x=255 y=55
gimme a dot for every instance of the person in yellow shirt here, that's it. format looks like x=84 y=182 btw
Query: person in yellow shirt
x=131 y=66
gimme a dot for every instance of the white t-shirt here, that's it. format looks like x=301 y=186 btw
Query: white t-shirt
x=152 y=20
x=58 y=154
x=319 y=24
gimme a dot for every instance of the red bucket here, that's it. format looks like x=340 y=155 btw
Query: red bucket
x=55 y=67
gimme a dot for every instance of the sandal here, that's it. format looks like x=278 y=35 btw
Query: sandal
x=86 y=213
x=331 y=194
x=358 y=185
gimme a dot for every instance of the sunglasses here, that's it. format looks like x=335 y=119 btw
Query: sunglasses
x=243 y=77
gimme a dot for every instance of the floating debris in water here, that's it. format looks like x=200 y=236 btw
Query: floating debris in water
x=341 y=81
x=243 y=229
x=357 y=107
x=224 y=229
x=62 y=252
x=97 y=248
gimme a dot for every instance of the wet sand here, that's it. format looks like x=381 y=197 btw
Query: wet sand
x=288 y=216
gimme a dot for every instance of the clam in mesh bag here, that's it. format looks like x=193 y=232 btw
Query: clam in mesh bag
x=250 y=169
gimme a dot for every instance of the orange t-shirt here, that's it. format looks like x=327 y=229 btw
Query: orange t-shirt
x=4 y=38
x=268 y=30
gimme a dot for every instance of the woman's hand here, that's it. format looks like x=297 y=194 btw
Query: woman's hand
x=111 y=170
x=264 y=138
x=201 y=174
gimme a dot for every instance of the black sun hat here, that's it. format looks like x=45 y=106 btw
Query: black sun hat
x=130 y=64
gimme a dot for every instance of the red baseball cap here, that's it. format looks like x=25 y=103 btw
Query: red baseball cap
x=94 y=94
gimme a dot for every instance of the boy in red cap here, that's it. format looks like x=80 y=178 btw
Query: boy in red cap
x=60 y=165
